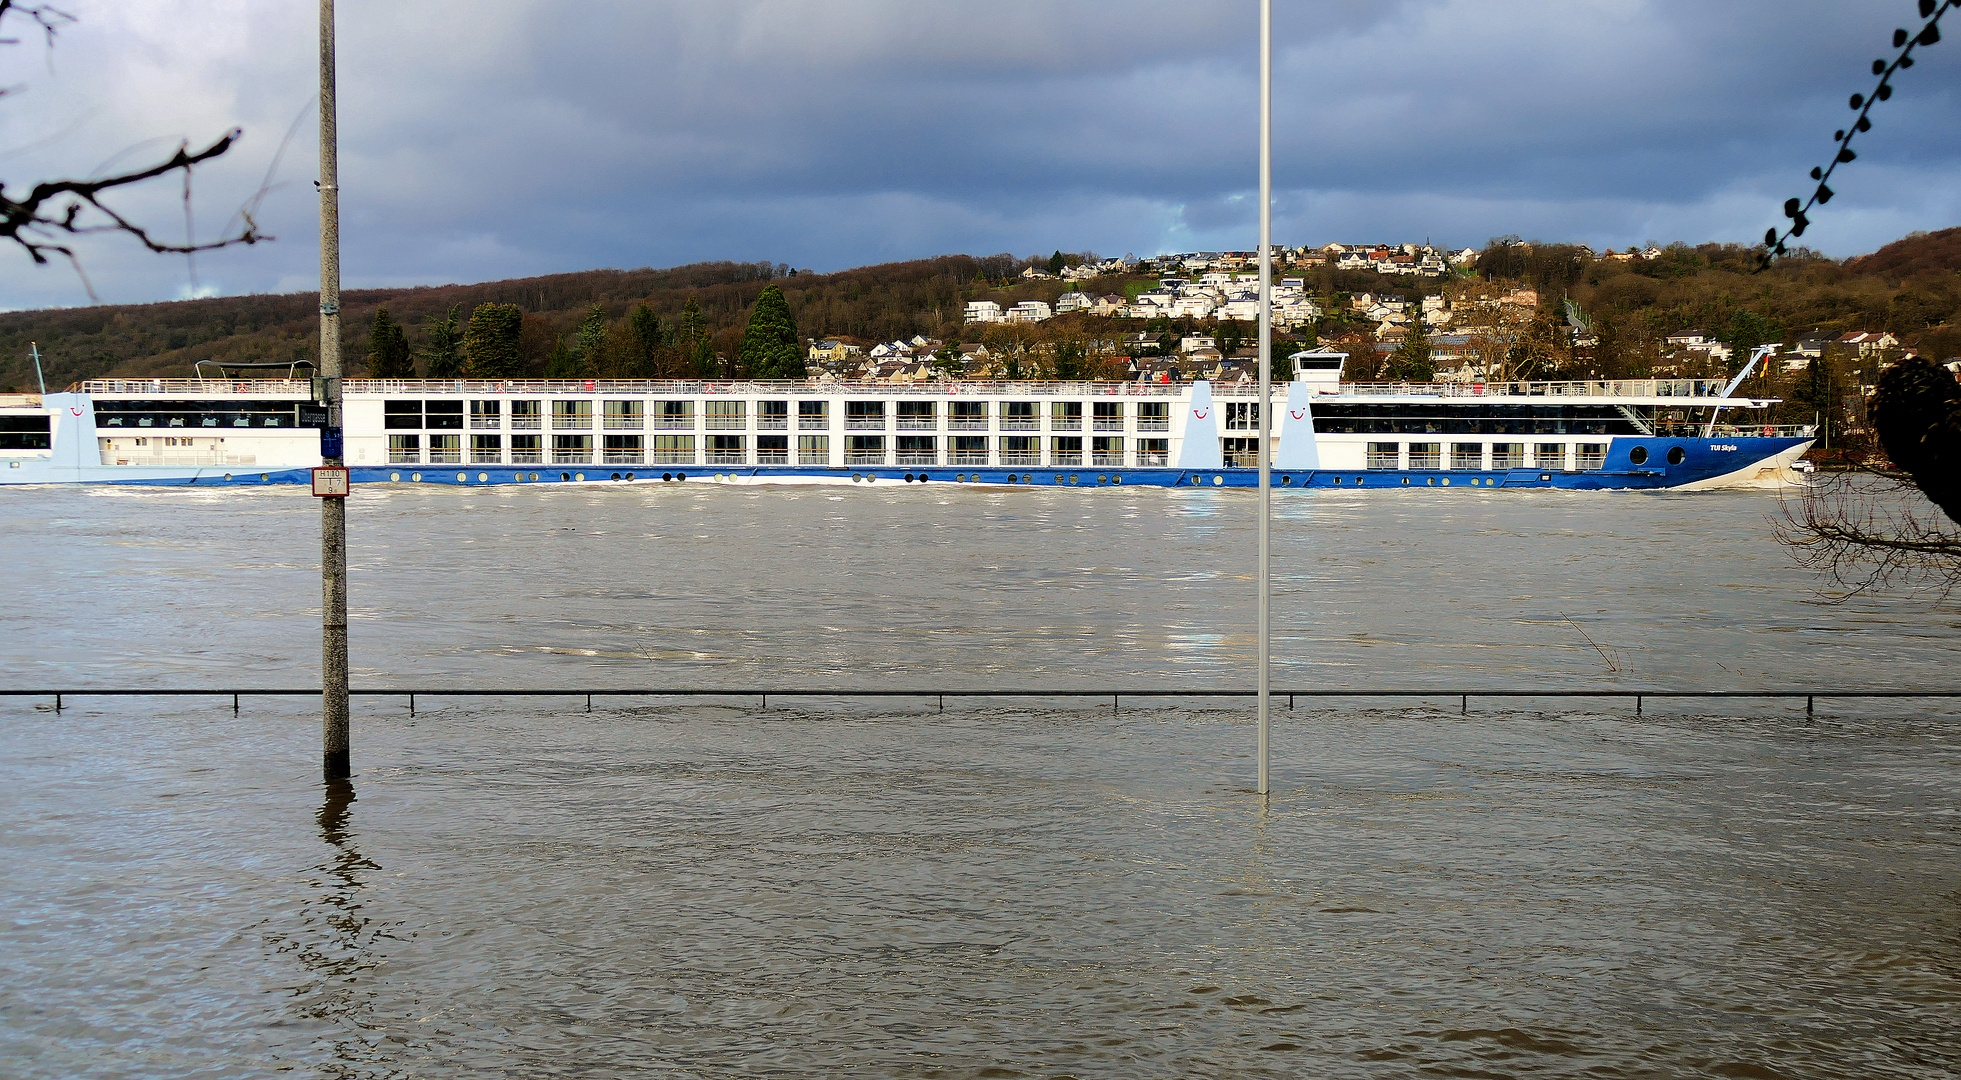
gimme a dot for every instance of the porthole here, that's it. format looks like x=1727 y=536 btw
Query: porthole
x=668 y=476
x=960 y=477
x=1027 y=479
x=680 y=476
x=1058 y=478
x=1116 y=479
x=462 y=478
x=517 y=478
x=1011 y=478
x=534 y=476
x=1429 y=481
x=564 y=477
x=417 y=477
x=1286 y=481
x=1072 y=478
x=1218 y=480
x=1638 y=455
x=393 y=477
x=1102 y=479
x=1446 y=481
x=616 y=476
x=1358 y=481
x=228 y=476
x=580 y=477
x=922 y=478
x=1405 y=481
x=264 y=477
x=629 y=478
x=483 y=478
x=1337 y=481
x=1676 y=455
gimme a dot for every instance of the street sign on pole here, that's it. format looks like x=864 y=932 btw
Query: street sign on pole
x=330 y=482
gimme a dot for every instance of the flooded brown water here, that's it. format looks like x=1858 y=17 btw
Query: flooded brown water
x=1016 y=888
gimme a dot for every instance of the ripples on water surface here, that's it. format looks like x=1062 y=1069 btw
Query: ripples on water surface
x=708 y=890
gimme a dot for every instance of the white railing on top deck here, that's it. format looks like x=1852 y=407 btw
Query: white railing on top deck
x=1681 y=388
x=202 y=387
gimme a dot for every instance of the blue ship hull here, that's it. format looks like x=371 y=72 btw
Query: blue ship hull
x=1630 y=464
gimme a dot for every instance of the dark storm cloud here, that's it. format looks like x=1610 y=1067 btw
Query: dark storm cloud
x=484 y=140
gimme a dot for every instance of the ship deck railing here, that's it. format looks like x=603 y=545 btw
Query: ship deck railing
x=191 y=460
x=1698 y=391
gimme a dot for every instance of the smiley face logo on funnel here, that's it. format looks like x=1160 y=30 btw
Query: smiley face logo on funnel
x=1201 y=414
x=1297 y=414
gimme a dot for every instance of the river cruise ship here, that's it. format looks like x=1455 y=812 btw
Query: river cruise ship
x=1627 y=434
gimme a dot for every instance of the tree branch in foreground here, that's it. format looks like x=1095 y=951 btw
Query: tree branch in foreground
x=41 y=221
x=1867 y=531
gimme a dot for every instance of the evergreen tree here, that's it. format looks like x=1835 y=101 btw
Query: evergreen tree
x=645 y=337
x=1057 y=262
x=693 y=327
x=443 y=358
x=388 y=349
x=490 y=342
x=703 y=360
x=562 y=364
x=1069 y=361
x=592 y=342
x=1411 y=361
x=952 y=360
x=771 y=348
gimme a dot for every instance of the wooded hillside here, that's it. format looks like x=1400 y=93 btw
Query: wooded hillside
x=1911 y=287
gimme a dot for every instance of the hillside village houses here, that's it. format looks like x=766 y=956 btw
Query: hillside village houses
x=1221 y=284
x=1224 y=286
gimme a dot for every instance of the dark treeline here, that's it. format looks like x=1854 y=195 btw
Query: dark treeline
x=873 y=303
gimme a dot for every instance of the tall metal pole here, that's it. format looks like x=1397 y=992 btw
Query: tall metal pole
x=333 y=512
x=35 y=348
x=1266 y=366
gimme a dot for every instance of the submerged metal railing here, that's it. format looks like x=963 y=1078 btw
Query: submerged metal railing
x=1463 y=697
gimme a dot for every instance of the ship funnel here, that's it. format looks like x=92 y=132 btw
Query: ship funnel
x=1200 y=448
x=1297 y=447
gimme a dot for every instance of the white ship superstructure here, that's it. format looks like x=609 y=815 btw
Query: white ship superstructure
x=1627 y=433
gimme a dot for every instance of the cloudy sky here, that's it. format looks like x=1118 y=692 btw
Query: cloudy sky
x=484 y=139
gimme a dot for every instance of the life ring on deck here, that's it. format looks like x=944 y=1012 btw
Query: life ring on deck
x=1766 y=431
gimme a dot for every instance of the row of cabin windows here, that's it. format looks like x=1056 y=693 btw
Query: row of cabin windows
x=25 y=433
x=1010 y=444
x=1427 y=420
x=1470 y=456
x=440 y=415
x=1015 y=443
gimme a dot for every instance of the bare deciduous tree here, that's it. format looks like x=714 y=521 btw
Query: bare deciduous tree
x=1892 y=528
x=42 y=221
